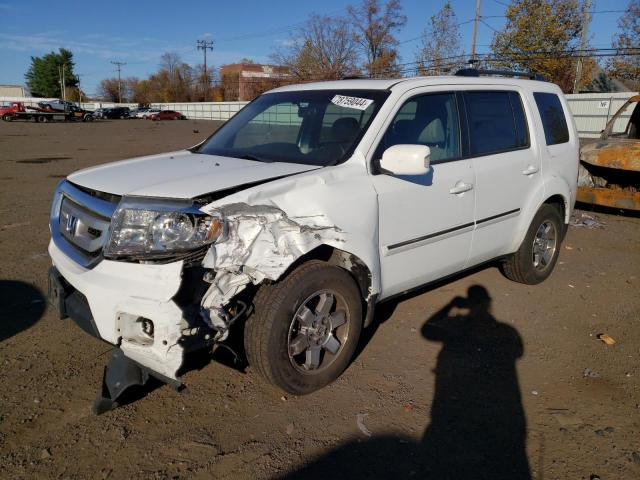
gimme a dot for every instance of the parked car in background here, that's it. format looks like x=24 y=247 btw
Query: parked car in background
x=116 y=112
x=148 y=112
x=99 y=112
x=167 y=115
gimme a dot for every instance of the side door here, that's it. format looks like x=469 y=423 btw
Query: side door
x=507 y=167
x=425 y=221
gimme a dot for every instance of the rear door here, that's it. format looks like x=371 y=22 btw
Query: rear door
x=507 y=167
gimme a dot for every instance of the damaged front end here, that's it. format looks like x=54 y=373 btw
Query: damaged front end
x=156 y=306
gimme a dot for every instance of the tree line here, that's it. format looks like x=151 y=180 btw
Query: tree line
x=538 y=35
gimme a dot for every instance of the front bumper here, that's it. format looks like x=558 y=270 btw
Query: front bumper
x=112 y=301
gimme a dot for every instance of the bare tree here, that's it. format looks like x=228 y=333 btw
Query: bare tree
x=324 y=48
x=627 y=68
x=108 y=89
x=170 y=61
x=375 y=25
x=441 y=50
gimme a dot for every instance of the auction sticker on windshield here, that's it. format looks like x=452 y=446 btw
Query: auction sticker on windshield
x=351 y=102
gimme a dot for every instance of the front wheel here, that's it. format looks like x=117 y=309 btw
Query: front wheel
x=305 y=328
x=7 y=117
x=535 y=259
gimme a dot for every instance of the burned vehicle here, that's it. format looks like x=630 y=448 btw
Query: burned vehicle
x=302 y=212
x=609 y=173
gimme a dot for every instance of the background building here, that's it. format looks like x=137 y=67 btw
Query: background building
x=12 y=91
x=245 y=81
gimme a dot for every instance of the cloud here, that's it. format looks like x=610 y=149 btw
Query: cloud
x=95 y=44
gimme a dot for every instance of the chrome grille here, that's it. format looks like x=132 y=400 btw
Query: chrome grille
x=81 y=227
x=80 y=223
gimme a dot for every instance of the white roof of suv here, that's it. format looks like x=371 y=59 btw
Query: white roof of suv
x=413 y=82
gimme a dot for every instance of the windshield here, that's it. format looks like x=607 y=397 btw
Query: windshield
x=313 y=127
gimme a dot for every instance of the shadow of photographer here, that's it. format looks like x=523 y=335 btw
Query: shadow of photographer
x=478 y=425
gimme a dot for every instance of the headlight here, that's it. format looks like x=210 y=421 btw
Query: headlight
x=148 y=228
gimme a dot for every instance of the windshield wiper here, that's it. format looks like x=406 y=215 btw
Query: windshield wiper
x=249 y=156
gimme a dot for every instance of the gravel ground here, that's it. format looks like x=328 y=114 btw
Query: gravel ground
x=520 y=389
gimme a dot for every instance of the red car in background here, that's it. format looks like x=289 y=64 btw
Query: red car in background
x=167 y=115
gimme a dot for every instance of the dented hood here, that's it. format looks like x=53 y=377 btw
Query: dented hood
x=180 y=174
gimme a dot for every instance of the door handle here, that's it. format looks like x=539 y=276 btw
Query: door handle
x=460 y=187
x=530 y=170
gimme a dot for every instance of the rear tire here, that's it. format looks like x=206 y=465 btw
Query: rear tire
x=535 y=259
x=42 y=119
x=305 y=328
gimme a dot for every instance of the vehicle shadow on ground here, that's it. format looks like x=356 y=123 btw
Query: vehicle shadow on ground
x=23 y=305
x=477 y=428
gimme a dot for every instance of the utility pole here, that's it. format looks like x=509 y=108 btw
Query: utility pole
x=119 y=67
x=64 y=85
x=60 y=80
x=79 y=91
x=472 y=59
x=583 y=43
x=205 y=45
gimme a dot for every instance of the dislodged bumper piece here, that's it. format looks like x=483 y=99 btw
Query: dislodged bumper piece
x=120 y=374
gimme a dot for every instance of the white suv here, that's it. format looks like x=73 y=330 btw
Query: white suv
x=311 y=205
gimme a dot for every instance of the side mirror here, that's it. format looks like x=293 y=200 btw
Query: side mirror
x=406 y=159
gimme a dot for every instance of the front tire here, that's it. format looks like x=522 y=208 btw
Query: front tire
x=537 y=256
x=305 y=328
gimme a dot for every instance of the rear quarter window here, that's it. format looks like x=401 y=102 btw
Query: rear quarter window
x=496 y=122
x=553 y=119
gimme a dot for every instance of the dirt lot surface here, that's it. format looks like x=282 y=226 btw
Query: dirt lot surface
x=525 y=391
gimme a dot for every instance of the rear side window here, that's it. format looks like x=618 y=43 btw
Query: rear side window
x=496 y=122
x=553 y=120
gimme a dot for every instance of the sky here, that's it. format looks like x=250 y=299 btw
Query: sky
x=138 y=32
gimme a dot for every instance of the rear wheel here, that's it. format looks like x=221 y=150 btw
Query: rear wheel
x=305 y=328
x=42 y=119
x=535 y=259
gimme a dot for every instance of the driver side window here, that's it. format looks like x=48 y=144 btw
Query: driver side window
x=430 y=120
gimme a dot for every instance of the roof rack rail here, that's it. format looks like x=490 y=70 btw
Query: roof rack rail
x=474 y=72
x=355 y=77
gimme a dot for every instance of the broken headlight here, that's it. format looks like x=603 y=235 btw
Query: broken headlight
x=156 y=228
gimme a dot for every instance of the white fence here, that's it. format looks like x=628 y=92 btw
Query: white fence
x=590 y=110
x=203 y=110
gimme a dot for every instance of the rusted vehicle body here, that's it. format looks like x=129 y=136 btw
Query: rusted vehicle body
x=610 y=167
